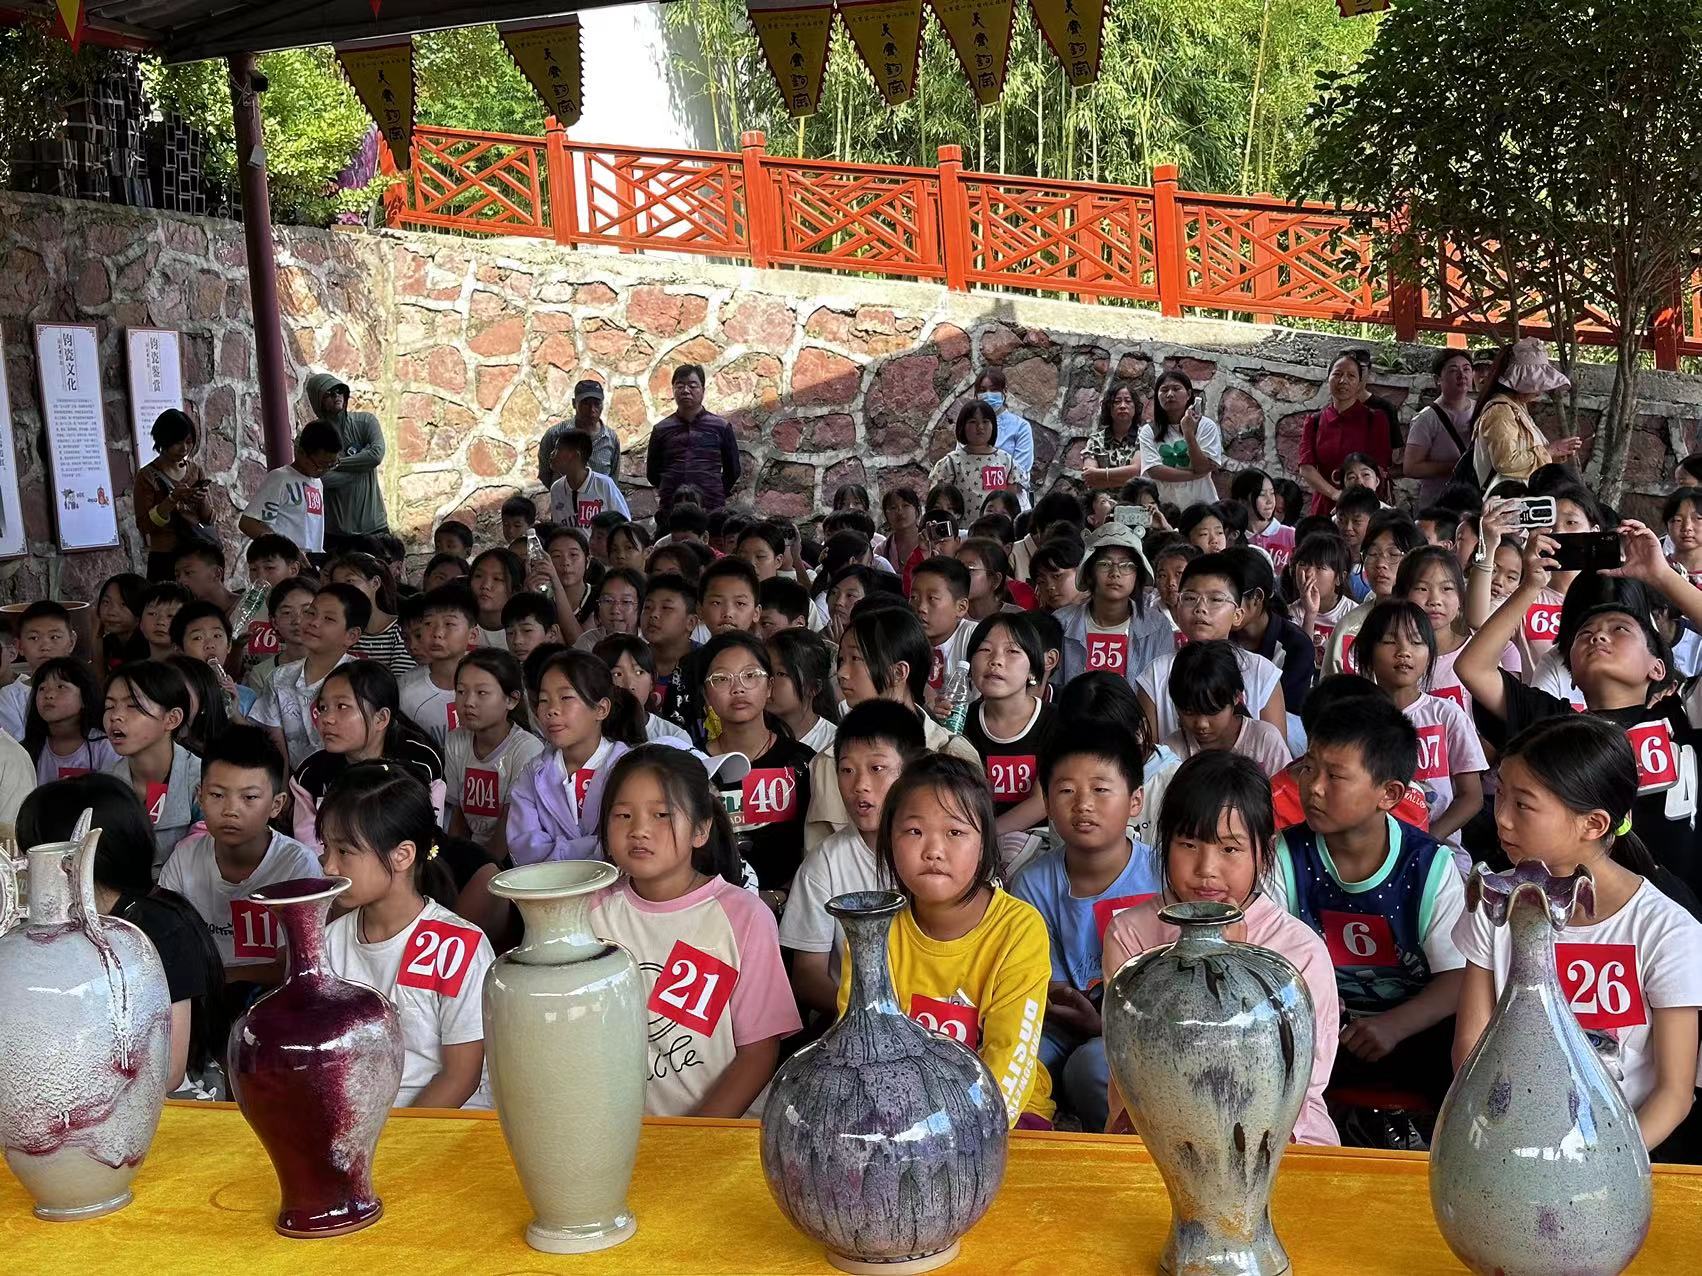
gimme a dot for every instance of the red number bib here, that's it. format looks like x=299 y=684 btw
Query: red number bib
x=1011 y=775
x=1657 y=759
x=254 y=931
x=693 y=989
x=947 y=1018
x=72 y=772
x=993 y=477
x=262 y=639
x=589 y=510
x=1359 y=939
x=1347 y=651
x=155 y=802
x=479 y=792
x=315 y=499
x=1105 y=909
x=770 y=796
x=1321 y=643
x=582 y=784
x=437 y=957
x=1432 y=753
x=937 y=671
x=1602 y=985
x=452 y=715
x=1456 y=693
x=1181 y=640
x=1542 y=622
x=1109 y=652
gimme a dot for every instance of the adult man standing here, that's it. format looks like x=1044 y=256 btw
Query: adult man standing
x=692 y=446
x=354 y=507
x=1015 y=435
x=587 y=419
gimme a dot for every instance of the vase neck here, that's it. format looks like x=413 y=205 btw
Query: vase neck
x=871 y=977
x=304 y=931
x=558 y=931
x=1531 y=956
x=51 y=886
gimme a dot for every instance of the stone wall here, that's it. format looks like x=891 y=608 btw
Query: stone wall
x=467 y=349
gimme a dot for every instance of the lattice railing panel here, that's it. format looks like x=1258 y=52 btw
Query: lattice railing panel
x=1086 y=239
x=682 y=202
x=1303 y=262
x=857 y=219
x=478 y=183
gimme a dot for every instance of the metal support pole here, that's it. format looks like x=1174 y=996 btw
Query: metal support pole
x=246 y=85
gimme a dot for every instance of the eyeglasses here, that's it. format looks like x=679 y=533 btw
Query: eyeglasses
x=744 y=680
x=1388 y=554
x=1188 y=598
x=1114 y=567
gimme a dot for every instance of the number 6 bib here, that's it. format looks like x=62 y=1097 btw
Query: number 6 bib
x=1657 y=760
x=1359 y=939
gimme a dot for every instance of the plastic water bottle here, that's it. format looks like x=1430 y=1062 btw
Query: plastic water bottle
x=535 y=550
x=252 y=603
x=956 y=693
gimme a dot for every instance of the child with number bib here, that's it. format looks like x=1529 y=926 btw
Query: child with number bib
x=719 y=1002
x=1631 y=969
x=588 y=723
x=1113 y=631
x=62 y=730
x=975 y=467
x=400 y=936
x=968 y=959
x=147 y=704
x=490 y=748
x=1010 y=725
x=1430 y=578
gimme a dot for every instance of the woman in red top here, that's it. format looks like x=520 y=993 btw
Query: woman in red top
x=1347 y=424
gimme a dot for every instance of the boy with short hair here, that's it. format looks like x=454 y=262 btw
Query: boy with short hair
x=782 y=603
x=329 y=631
x=272 y=559
x=450 y=615
x=729 y=596
x=44 y=633
x=529 y=619
x=1053 y=572
x=686 y=522
x=291 y=499
x=200 y=569
x=160 y=602
x=202 y=632
x=243 y=780
x=939 y=595
x=453 y=538
x=581 y=493
x=666 y=623
x=1384 y=896
x=1094 y=790
x=410 y=615
x=1355 y=509
x=443 y=569
x=519 y=515
x=875 y=742
x=286 y=607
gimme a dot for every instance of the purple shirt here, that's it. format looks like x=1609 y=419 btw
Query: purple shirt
x=701 y=451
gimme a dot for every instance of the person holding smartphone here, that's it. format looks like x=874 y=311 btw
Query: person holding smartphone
x=174 y=502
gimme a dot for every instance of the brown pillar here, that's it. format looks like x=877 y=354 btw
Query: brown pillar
x=262 y=268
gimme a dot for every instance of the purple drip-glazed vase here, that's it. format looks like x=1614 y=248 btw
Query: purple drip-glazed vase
x=882 y=1141
x=315 y=1065
x=85 y=1037
x=1537 y=1166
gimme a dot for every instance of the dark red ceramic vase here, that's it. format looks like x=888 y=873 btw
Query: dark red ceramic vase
x=315 y=1065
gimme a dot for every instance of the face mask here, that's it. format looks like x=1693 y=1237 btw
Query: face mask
x=993 y=399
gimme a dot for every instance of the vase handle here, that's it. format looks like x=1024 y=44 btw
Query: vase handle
x=84 y=910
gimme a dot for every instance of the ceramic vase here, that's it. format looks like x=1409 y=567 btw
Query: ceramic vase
x=85 y=1037
x=1210 y=1042
x=567 y=1045
x=1537 y=1165
x=315 y=1065
x=882 y=1141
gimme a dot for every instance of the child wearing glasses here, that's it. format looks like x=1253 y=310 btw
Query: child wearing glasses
x=1113 y=631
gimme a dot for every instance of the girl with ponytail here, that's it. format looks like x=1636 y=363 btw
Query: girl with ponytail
x=399 y=936
x=1632 y=970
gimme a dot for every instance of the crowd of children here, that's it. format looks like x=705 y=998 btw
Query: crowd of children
x=1038 y=722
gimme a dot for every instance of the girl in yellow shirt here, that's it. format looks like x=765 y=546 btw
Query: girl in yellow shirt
x=967 y=959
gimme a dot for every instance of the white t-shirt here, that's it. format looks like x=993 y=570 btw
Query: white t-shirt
x=92 y=757
x=245 y=933
x=478 y=787
x=576 y=507
x=1325 y=625
x=483 y=637
x=948 y=654
x=842 y=863
x=1189 y=491
x=1448 y=745
x=293 y=505
x=433 y=972
x=15 y=706
x=288 y=704
x=657 y=728
x=1552 y=675
x=821 y=736
x=1258 y=675
x=1646 y=957
x=430 y=706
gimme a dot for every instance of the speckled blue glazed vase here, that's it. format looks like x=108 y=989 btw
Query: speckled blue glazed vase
x=1210 y=1042
x=883 y=1141
x=1537 y=1165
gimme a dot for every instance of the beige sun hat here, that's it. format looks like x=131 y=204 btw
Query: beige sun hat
x=1109 y=536
x=1528 y=371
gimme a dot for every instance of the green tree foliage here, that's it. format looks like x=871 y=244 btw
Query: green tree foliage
x=1556 y=148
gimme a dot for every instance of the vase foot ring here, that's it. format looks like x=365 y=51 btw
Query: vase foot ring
x=900 y=1267
x=580 y=1240
x=321 y=1233
x=81 y=1212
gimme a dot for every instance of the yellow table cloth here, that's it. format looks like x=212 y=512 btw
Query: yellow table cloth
x=205 y=1201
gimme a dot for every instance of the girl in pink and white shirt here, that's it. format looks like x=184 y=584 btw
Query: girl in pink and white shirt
x=719 y=1000
x=489 y=748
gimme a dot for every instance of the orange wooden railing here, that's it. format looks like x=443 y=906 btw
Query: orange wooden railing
x=1260 y=257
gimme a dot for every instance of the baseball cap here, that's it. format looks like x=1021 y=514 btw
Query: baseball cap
x=588 y=389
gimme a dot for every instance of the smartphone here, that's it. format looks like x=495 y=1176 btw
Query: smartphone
x=1587 y=551
x=934 y=531
x=1532 y=511
x=1138 y=517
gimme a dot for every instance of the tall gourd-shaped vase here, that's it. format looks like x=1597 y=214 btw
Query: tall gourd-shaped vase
x=1537 y=1165
x=315 y=1065
x=85 y=1037
x=566 y=1039
x=882 y=1141
x=1210 y=1042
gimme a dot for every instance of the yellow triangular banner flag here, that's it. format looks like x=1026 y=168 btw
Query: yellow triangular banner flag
x=381 y=72
x=549 y=55
x=1074 y=29
x=71 y=14
x=794 y=36
x=888 y=36
x=980 y=35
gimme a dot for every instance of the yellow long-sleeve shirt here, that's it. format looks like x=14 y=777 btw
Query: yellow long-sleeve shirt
x=986 y=989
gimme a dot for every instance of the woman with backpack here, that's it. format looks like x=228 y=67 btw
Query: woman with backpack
x=1509 y=444
x=1441 y=433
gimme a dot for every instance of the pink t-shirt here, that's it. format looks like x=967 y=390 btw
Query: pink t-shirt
x=1448 y=745
x=1277 y=540
x=1446 y=683
x=1138 y=930
x=714 y=981
x=1538 y=629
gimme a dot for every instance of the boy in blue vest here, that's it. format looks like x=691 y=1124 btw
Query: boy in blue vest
x=1384 y=896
